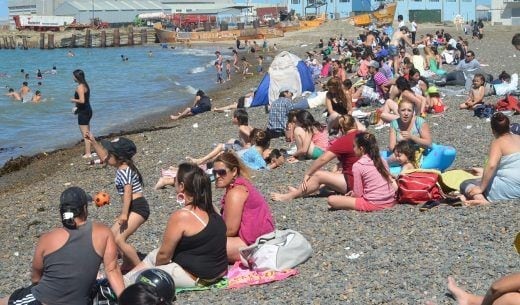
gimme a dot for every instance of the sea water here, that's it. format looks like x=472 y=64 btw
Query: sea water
x=152 y=81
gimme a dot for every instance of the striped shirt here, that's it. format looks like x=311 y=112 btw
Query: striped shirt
x=127 y=176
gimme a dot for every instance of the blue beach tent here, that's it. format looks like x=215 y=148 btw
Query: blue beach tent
x=286 y=70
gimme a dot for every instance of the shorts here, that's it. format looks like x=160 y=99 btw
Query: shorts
x=316 y=153
x=366 y=206
x=274 y=133
x=23 y=296
x=181 y=278
x=84 y=116
x=467 y=185
x=259 y=69
x=392 y=50
x=235 y=146
x=198 y=109
x=140 y=206
x=438 y=108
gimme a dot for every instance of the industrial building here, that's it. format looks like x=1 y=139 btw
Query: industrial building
x=111 y=11
x=117 y=11
x=420 y=10
x=506 y=12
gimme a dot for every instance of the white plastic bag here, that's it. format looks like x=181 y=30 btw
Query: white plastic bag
x=279 y=250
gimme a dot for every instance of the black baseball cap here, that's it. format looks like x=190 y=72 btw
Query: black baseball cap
x=120 y=147
x=74 y=198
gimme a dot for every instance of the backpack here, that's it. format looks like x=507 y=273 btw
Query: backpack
x=483 y=111
x=419 y=186
x=509 y=102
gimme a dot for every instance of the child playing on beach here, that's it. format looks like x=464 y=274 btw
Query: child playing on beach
x=129 y=184
x=228 y=69
x=218 y=67
x=245 y=67
x=476 y=94
x=404 y=153
x=435 y=105
x=374 y=188
x=260 y=68
x=235 y=60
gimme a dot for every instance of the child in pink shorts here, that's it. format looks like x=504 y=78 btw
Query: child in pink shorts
x=374 y=187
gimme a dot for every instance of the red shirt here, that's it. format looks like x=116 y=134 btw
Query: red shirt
x=343 y=148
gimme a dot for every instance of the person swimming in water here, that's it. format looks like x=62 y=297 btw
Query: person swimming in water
x=13 y=95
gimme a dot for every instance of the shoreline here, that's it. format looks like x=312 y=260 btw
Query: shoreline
x=222 y=95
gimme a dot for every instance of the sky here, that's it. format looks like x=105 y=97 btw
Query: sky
x=3 y=9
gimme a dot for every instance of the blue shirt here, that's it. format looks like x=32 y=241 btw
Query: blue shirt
x=278 y=113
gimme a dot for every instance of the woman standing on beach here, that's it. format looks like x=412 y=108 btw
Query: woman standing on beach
x=83 y=109
x=244 y=209
x=129 y=184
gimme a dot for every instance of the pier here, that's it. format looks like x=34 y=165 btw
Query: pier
x=87 y=38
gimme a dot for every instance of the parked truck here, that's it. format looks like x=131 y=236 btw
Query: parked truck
x=43 y=23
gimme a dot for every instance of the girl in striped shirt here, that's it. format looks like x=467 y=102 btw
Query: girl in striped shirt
x=129 y=185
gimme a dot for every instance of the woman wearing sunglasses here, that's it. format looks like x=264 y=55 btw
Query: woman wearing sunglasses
x=244 y=209
x=193 y=247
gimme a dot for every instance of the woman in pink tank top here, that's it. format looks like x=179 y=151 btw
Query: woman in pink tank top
x=245 y=211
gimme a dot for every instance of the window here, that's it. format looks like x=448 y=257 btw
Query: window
x=178 y=11
x=189 y=10
x=434 y=0
x=295 y=1
x=344 y=0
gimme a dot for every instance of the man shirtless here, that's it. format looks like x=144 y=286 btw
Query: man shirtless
x=25 y=92
x=13 y=95
x=395 y=42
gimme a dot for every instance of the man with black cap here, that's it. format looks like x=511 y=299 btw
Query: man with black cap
x=66 y=260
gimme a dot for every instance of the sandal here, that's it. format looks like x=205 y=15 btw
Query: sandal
x=428 y=205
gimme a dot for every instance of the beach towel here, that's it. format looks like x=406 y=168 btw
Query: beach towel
x=239 y=276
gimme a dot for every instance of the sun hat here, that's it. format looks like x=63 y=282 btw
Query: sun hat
x=432 y=89
x=73 y=199
x=374 y=64
x=121 y=147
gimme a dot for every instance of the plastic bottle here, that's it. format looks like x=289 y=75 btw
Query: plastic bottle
x=95 y=161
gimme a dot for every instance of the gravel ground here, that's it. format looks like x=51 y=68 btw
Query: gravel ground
x=404 y=255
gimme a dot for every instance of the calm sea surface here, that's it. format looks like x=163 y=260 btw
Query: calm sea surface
x=121 y=91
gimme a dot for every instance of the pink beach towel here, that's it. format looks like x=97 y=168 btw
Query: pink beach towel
x=239 y=276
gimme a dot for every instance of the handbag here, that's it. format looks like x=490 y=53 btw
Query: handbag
x=419 y=186
x=278 y=250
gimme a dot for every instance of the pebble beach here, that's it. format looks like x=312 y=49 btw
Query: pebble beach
x=397 y=256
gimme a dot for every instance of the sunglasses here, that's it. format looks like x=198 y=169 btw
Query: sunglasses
x=219 y=172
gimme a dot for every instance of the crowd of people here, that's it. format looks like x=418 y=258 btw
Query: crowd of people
x=199 y=240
